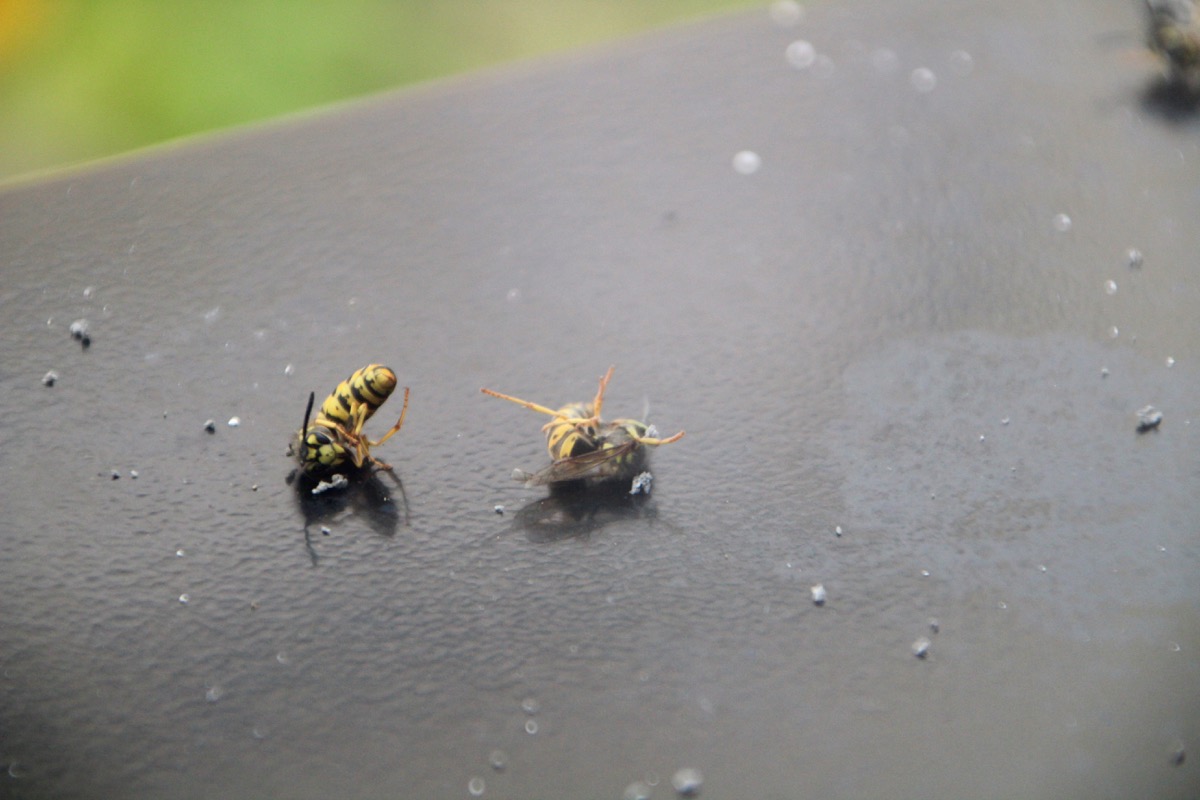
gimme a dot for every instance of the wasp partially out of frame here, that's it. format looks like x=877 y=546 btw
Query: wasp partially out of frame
x=335 y=440
x=583 y=447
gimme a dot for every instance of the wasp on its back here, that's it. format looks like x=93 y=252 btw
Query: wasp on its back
x=584 y=447
x=336 y=435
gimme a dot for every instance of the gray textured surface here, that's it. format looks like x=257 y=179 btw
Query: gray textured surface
x=881 y=330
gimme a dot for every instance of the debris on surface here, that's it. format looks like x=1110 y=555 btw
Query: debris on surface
x=920 y=648
x=79 y=329
x=1148 y=419
x=210 y=426
x=934 y=625
x=50 y=378
x=687 y=782
x=336 y=482
x=641 y=483
x=1177 y=754
x=234 y=422
x=499 y=509
x=818 y=594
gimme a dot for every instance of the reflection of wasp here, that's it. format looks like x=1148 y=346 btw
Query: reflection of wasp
x=584 y=447
x=336 y=435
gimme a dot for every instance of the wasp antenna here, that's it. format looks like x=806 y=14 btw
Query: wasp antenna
x=312 y=396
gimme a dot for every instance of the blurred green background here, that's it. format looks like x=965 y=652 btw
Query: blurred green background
x=83 y=79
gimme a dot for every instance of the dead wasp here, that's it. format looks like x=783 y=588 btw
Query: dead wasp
x=583 y=447
x=335 y=439
x=1173 y=31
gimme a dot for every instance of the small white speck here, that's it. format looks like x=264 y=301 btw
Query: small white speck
x=1005 y=421
x=801 y=54
x=786 y=13
x=1133 y=257
x=746 y=162
x=837 y=530
x=923 y=80
x=133 y=473
x=180 y=553
x=289 y=370
x=513 y=295
x=924 y=573
x=499 y=509
x=818 y=594
x=234 y=422
x=1114 y=332
x=961 y=62
x=1170 y=362
x=1104 y=372
x=920 y=648
x=1062 y=223
x=1110 y=287
x=687 y=781
x=476 y=786
x=213 y=694
x=183 y=598
x=49 y=378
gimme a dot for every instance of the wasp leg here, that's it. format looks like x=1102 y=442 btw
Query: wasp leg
x=395 y=428
x=651 y=441
x=599 y=401
x=520 y=402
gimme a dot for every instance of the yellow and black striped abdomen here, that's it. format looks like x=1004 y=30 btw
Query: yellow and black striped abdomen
x=565 y=438
x=369 y=387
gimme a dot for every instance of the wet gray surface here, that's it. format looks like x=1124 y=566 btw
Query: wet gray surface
x=882 y=330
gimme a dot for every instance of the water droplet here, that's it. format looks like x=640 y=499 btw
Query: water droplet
x=923 y=79
x=1170 y=362
x=289 y=370
x=1114 y=332
x=961 y=62
x=1110 y=287
x=1133 y=257
x=687 y=781
x=747 y=162
x=498 y=759
x=213 y=694
x=531 y=726
x=818 y=594
x=234 y=422
x=1002 y=605
x=530 y=705
x=476 y=786
x=920 y=648
x=636 y=791
x=282 y=658
x=1062 y=223
x=801 y=54
x=183 y=598
x=1175 y=647
x=258 y=732
x=786 y=13
x=16 y=769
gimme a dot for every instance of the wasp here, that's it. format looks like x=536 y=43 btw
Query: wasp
x=336 y=436
x=1173 y=31
x=583 y=447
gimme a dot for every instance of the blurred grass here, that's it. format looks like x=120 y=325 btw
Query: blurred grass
x=83 y=79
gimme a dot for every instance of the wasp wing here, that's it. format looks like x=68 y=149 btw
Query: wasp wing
x=608 y=462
